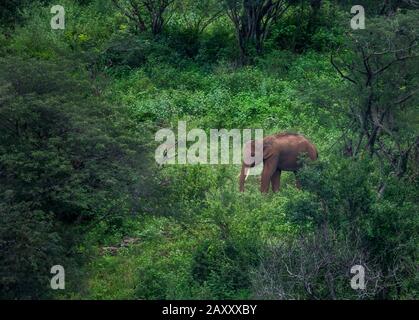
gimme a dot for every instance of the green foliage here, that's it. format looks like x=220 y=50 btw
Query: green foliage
x=10 y=12
x=79 y=185
x=222 y=268
x=341 y=220
x=30 y=244
x=65 y=157
x=303 y=29
x=125 y=51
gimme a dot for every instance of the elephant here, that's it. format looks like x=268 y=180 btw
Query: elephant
x=281 y=152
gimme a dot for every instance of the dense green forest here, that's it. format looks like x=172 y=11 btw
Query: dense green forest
x=81 y=102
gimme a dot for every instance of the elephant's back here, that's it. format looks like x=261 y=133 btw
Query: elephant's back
x=291 y=146
x=292 y=138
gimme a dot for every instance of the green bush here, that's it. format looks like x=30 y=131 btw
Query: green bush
x=222 y=267
x=343 y=221
x=65 y=158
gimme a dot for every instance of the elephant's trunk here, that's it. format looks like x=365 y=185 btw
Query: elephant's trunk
x=243 y=177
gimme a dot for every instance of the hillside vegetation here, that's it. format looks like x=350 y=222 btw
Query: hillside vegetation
x=79 y=185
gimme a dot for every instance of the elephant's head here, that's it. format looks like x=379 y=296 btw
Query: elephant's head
x=254 y=153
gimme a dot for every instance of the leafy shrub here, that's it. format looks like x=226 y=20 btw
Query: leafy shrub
x=65 y=158
x=302 y=29
x=342 y=221
x=223 y=267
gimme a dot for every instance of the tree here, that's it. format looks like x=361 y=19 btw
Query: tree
x=198 y=15
x=147 y=15
x=10 y=11
x=252 y=20
x=390 y=7
x=315 y=6
x=67 y=158
x=383 y=8
x=382 y=68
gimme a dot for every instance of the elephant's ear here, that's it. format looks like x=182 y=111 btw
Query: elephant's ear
x=267 y=150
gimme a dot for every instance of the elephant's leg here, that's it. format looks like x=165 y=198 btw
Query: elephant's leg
x=297 y=180
x=269 y=167
x=276 y=181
